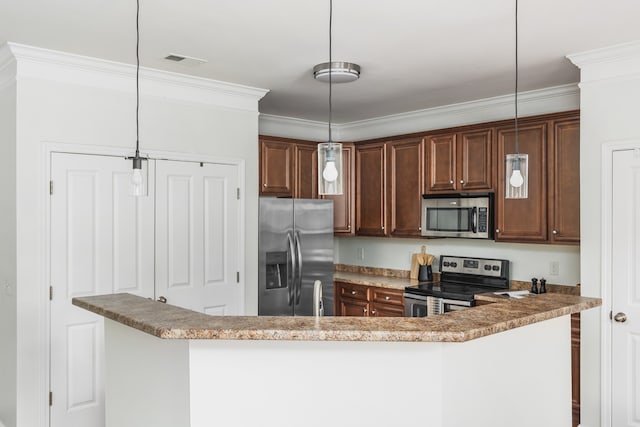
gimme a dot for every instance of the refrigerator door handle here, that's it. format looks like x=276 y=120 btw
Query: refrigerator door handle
x=291 y=274
x=299 y=257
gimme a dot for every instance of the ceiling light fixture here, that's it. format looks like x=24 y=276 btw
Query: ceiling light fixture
x=338 y=71
x=330 y=153
x=138 y=185
x=517 y=164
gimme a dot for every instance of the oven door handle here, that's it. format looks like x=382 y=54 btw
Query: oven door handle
x=474 y=220
x=457 y=302
x=416 y=297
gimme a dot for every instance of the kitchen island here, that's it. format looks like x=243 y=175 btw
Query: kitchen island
x=501 y=364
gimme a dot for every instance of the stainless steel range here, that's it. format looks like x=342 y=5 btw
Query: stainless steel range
x=460 y=279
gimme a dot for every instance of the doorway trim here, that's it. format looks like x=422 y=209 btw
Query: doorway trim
x=608 y=148
x=48 y=148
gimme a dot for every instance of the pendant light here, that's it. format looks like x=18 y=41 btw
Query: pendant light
x=138 y=185
x=329 y=153
x=516 y=167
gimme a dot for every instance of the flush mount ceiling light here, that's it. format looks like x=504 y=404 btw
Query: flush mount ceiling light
x=340 y=72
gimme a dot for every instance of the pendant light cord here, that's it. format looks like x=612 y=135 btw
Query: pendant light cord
x=516 y=91
x=330 y=68
x=137 y=78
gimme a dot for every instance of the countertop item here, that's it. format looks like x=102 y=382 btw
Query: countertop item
x=170 y=322
x=374 y=280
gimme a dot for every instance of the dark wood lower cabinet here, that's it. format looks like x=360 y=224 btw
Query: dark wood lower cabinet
x=575 y=369
x=366 y=301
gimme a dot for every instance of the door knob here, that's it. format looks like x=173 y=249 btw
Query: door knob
x=162 y=299
x=620 y=317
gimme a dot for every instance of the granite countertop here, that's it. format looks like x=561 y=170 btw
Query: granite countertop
x=171 y=322
x=373 y=280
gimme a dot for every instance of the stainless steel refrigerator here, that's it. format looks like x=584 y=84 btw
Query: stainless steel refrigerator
x=295 y=249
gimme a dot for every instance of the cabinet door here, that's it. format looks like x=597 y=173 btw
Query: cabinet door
x=353 y=307
x=344 y=206
x=564 y=182
x=523 y=220
x=405 y=168
x=370 y=190
x=276 y=168
x=475 y=166
x=441 y=163
x=306 y=171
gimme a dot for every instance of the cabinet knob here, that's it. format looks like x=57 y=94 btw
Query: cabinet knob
x=497 y=230
x=373 y=312
x=462 y=181
x=364 y=310
x=419 y=228
x=387 y=297
x=382 y=228
x=555 y=231
x=353 y=292
x=264 y=185
x=451 y=182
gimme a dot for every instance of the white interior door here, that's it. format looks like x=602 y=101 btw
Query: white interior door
x=198 y=236
x=101 y=243
x=625 y=334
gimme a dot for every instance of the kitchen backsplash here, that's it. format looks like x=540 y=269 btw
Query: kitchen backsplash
x=558 y=264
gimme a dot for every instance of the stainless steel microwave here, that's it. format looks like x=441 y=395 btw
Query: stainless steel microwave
x=466 y=215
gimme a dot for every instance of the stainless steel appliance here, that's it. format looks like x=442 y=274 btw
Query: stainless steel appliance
x=467 y=215
x=295 y=249
x=460 y=279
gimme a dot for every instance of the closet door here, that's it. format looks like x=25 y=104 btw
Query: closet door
x=101 y=243
x=197 y=237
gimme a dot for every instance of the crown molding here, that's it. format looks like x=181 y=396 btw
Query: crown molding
x=45 y=64
x=7 y=67
x=541 y=101
x=612 y=62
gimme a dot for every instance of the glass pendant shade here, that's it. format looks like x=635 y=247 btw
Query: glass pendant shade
x=517 y=182
x=138 y=183
x=329 y=168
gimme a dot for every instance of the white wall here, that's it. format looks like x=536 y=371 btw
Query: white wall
x=527 y=260
x=610 y=103
x=72 y=100
x=7 y=244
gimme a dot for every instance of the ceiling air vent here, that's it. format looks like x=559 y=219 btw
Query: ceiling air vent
x=186 y=60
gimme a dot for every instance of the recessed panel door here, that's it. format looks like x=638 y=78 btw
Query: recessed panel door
x=198 y=237
x=101 y=243
x=625 y=268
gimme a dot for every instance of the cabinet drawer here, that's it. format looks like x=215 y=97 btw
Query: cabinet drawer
x=386 y=310
x=348 y=290
x=387 y=296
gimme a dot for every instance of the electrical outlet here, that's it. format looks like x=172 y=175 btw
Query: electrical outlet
x=554 y=268
x=361 y=254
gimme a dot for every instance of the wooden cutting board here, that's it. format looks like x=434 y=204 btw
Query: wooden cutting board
x=416 y=261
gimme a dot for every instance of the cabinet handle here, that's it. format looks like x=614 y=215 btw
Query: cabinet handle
x=555 y=231
x=387 y=297
x=497 y=230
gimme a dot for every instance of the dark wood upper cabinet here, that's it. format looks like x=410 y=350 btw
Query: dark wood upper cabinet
x=305 y=171
x=344 y=205
x=458 y=162
x=276 y=168
x=441 y=163
x=564 y=181
x=475 y=166
x=405 y=178
x=370 y=190
x=523 y=220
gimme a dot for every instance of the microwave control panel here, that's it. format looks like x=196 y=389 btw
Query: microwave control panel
x=483 y=220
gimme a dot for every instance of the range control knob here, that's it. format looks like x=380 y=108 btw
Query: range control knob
x=454 y=264
x=446 y=263
x=487 y=267
x=495 y=268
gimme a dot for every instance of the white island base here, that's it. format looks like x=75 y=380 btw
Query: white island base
x=520 y=377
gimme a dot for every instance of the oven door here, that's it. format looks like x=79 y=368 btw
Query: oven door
x=421 y=306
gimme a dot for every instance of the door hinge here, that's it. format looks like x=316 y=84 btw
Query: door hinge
x=50 y=398
x=237 y=277
x=238 y=193
x=50 y=293
x=50 y=187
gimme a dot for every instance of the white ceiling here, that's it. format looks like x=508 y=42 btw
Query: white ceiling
x=414 y=54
